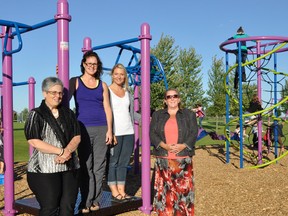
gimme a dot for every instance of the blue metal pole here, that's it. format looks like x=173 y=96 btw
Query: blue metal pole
x=227 y=110
x=115 y=44
x=36 y=26
x=17 y=84
x=240 y=102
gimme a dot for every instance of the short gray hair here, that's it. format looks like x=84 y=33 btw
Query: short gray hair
x=50 y=82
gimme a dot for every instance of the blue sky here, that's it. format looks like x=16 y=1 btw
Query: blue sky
x=203 y=25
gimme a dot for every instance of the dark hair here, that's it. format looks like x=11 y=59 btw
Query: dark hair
x=255 y=98
x=240 y=30
x=165 y=94
x=99 y=71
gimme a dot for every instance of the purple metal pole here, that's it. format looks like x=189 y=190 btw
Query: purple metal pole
x=145 y=38
x=63 y=18
x=275 y=109
x=86 y=44
x=136 y=129
x=31 y=88
x=8 y=129
x=259 y=92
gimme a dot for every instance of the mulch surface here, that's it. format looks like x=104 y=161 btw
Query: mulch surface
x=221 y=189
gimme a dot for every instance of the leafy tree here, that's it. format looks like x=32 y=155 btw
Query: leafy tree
x=182 y=70
x=187 y=77
x=166 y=53
x=24 y=114
x=248 y=90
x=284 y=94
x=216 y=92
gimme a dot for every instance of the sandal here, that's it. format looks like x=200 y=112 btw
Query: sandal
x=118 y=198
x=94 y=207
x=127 y=197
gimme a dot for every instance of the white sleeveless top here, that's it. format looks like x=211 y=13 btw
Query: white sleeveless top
x=122 y=123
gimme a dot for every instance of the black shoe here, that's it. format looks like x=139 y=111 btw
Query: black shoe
x=119 y=198
x=128 y=197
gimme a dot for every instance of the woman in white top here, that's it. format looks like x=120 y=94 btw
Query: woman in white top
x=123 y=128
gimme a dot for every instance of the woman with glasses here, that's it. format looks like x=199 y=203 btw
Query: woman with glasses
x=94 y=114
x=54 y=133
x=173 y=133
x=123 y=128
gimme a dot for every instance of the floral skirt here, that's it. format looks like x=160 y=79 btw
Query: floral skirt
x=174 y=187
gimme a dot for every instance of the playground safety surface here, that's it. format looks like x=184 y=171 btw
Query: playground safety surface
x=221 y=189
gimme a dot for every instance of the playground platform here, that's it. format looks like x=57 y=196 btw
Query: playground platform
x=107 y=207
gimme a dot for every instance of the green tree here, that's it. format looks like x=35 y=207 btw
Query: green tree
x=216 y=92
x=284 y=94
x=248 y=90
x=24 y=114
x=182 y=70
x=166 y=53
x=188 y=78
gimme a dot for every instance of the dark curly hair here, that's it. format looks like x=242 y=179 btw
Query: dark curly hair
x=88 y=54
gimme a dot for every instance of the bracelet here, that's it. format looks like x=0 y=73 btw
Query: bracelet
x=61 y=153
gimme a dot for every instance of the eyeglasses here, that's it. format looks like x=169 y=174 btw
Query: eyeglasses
x=172 y=96
x=91 y=64
x=54 y=93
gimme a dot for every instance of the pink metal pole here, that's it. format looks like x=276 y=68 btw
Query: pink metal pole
x=63 y=18
x=86 y=44
x=8 y=129
x=145 y=38
x=31 y=87
x=259 y=91
x=136 y=129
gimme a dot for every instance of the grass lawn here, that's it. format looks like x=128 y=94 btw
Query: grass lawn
x=21 y=147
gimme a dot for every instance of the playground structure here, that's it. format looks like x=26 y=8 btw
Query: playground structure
x=260 y=51
x=133 y=66
x=139 y=74
x=138 y=77
x=10 y=29
x=31 y=96
x=147 y=69
x=31 y=104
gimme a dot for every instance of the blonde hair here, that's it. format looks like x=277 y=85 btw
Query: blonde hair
x=121 y=66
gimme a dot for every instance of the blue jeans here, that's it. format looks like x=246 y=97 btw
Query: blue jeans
x=119 y=159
